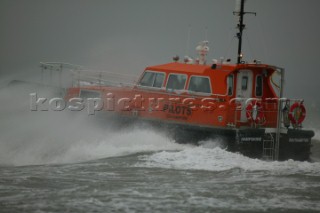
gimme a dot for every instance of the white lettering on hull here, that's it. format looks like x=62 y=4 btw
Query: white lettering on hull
x=249 y=139
x=299 y=140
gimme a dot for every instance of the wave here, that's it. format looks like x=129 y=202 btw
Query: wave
x=211 y=158
x=51 y=137
x=69 y=144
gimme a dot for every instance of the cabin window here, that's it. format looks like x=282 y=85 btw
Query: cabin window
x=152 y=79
x=244 y=83
x=89 y=94
x=230 y=84
x=158 y=81
x=199 y=84
x=259 y=86
x=176 y=81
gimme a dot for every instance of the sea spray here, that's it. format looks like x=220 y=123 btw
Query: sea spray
x=44 y=137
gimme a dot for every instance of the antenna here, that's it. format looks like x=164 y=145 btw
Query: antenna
x=188 y=39
x=240 y=12
x=206 y=33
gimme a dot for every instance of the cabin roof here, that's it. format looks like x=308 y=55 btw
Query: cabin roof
x=179 y=67
x=199 y=69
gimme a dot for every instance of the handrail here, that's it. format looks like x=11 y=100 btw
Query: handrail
x=103 y=72
x=60 y=65
x=101 y=78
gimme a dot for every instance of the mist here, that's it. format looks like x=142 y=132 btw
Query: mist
x=54 y=137
x=126 y=36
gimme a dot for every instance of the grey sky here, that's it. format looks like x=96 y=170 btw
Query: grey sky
x=127 y=35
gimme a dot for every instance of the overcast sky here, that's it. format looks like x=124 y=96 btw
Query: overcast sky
x=128 y=35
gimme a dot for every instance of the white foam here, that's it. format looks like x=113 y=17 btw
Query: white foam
x=217 y=159
x=118 y=144
x=317 y=135
x=28 y=137
x=48 y=151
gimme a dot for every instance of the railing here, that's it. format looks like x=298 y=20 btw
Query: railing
x=71 y=75
x=101 y=78
x=55 y=69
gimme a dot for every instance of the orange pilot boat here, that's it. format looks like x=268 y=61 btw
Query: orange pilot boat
x=241 y=103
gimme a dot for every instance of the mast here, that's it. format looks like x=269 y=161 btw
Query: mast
x=240 y=12
x=239 y=34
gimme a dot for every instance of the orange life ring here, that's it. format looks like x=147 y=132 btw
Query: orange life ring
x=254 y=112
x=297 y=113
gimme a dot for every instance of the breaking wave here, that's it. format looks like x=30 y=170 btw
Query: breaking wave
x=47 y=137
x=212 y=158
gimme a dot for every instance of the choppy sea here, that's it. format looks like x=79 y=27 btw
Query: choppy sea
x=62 y=162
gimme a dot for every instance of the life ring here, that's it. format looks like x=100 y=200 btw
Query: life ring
x=297 y=113
x=254 y=112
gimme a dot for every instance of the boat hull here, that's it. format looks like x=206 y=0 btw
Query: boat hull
x=252 y=142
